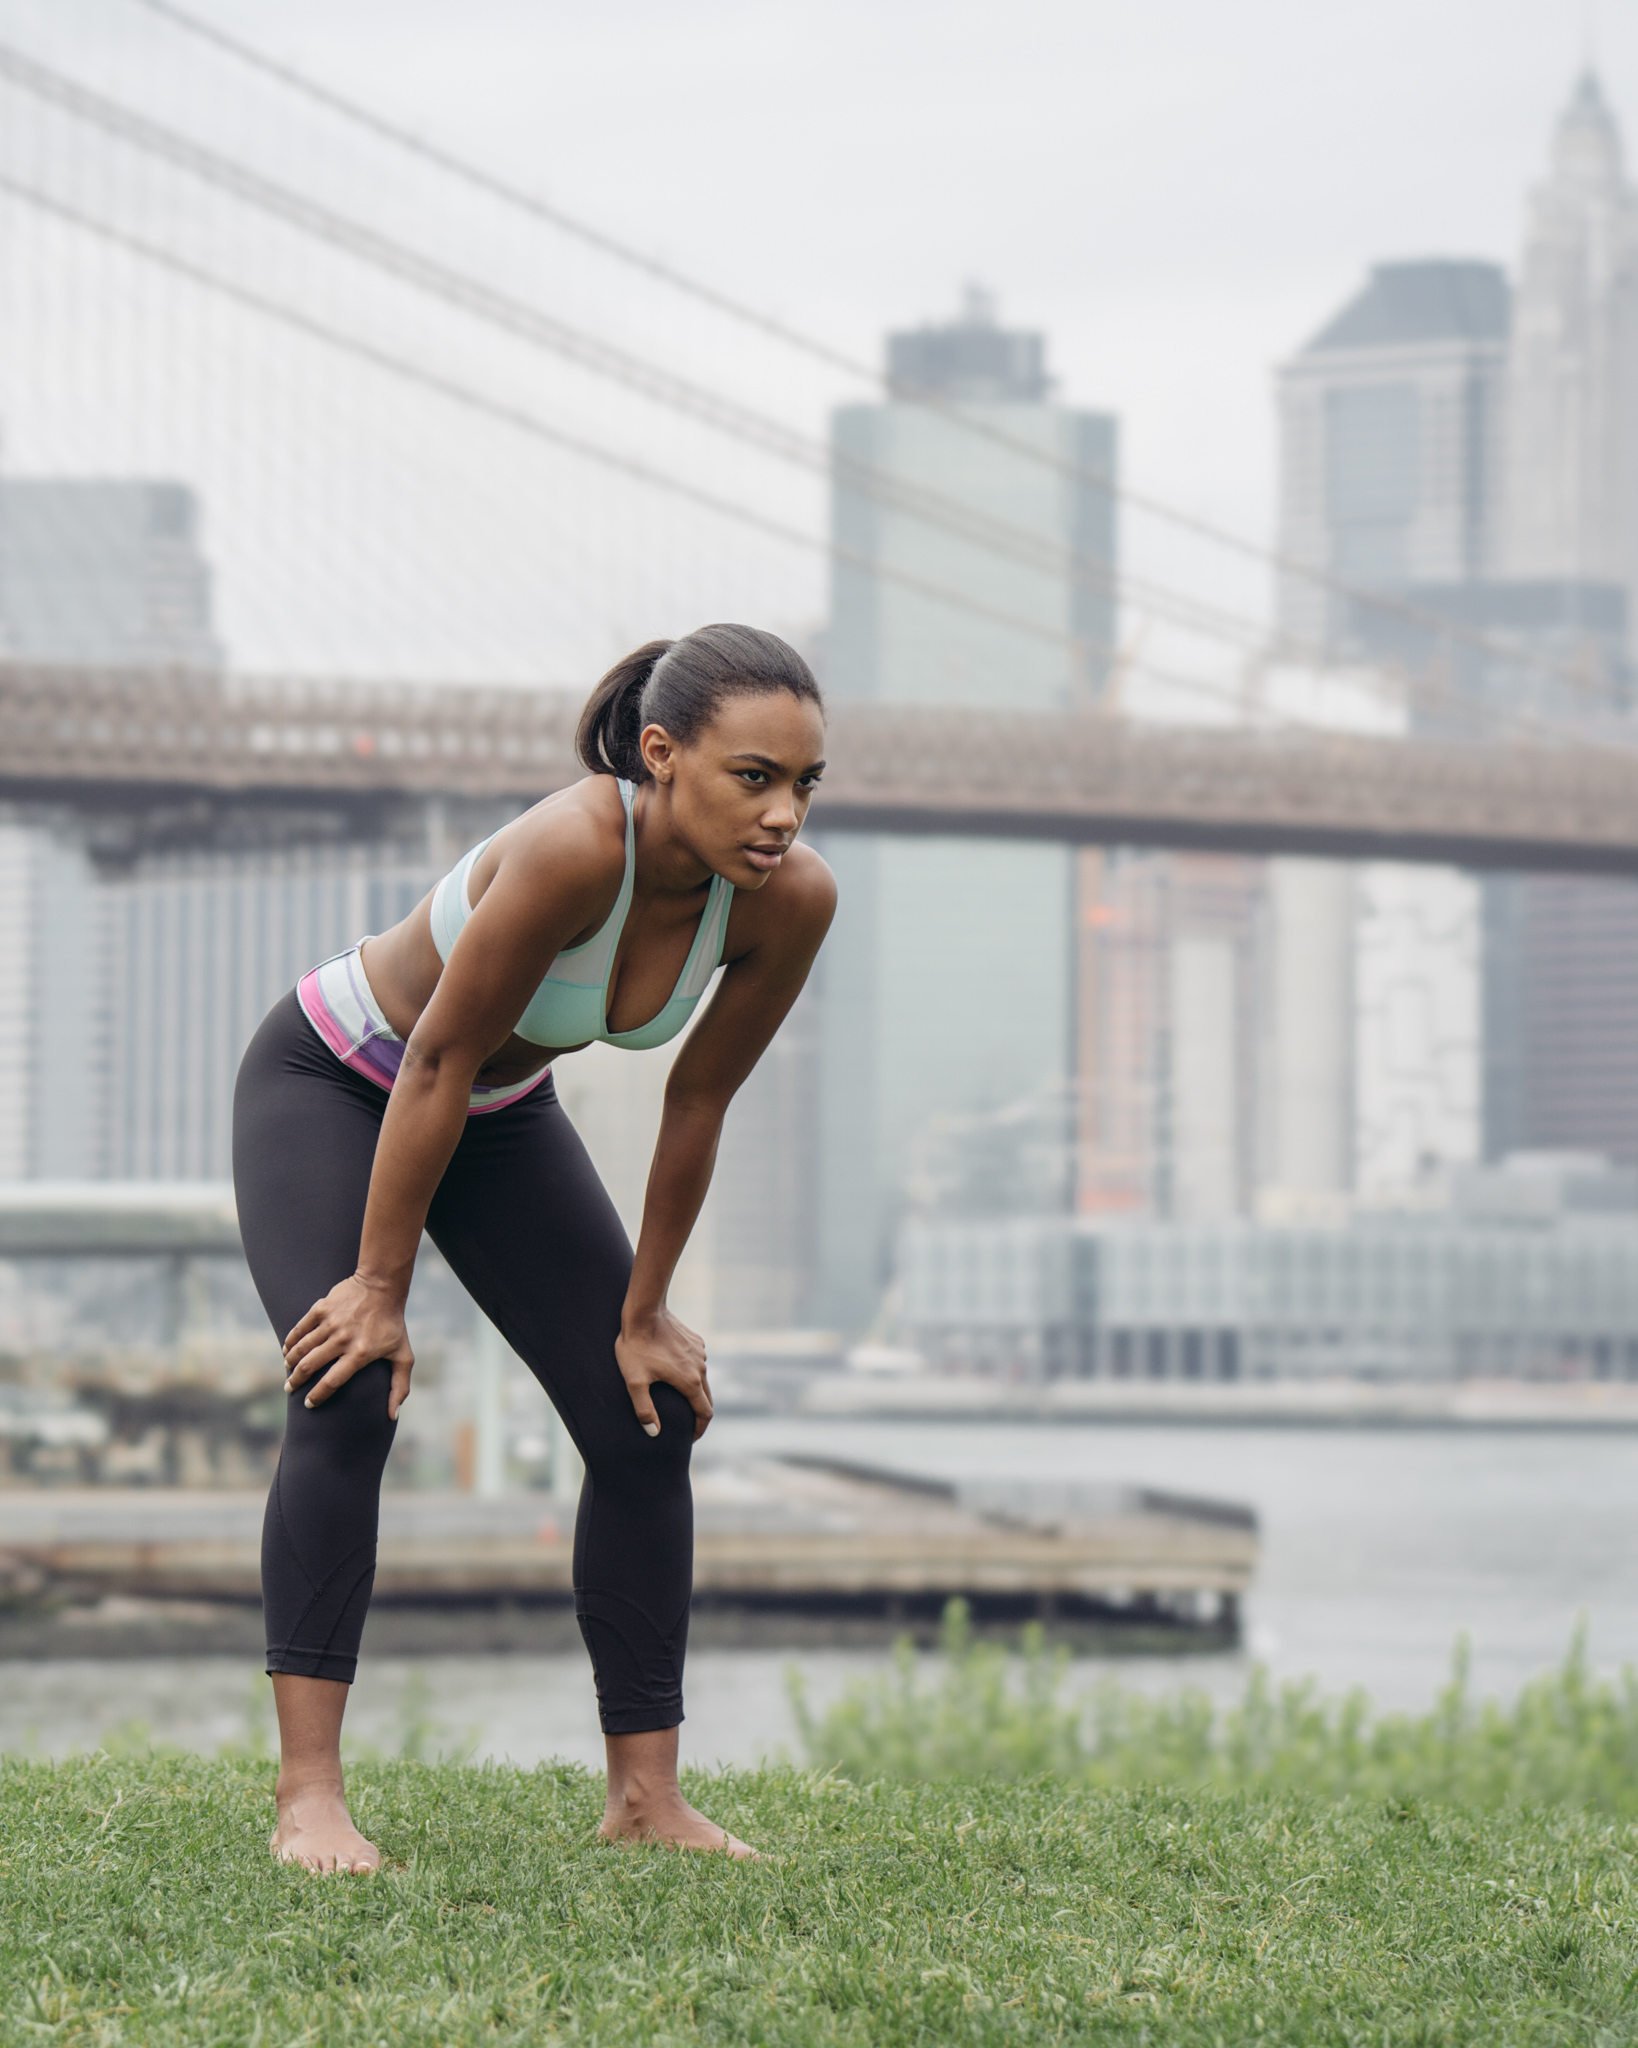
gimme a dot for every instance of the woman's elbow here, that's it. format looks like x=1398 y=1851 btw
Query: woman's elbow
x=693 y=1103
x=427 y=1065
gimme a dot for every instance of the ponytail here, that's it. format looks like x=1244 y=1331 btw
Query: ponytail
x=612 y=721
x=679 y=684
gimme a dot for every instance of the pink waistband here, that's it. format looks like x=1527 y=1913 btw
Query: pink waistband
x=338 y=1002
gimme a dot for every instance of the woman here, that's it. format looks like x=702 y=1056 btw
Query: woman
x=407 y=1084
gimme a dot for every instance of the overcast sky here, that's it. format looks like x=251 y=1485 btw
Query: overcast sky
x=1177 y=192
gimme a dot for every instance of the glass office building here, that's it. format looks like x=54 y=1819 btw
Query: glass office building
x=947 y=982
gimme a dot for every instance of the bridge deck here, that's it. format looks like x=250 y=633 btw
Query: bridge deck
x=95 y=736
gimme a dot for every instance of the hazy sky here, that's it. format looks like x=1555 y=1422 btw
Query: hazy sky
x=1178 y=193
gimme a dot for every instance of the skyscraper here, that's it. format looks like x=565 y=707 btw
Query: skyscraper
x=1572 y=497
x=1172 y=966
x=1392 y=428
x=51 y=1042
x=105 y=573
x=1470 y=451
x=1561 y=1040
x=1391 y=423
x=947 y=985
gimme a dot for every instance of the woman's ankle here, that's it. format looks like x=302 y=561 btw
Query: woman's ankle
x=642 y=1770
x=309 y=1781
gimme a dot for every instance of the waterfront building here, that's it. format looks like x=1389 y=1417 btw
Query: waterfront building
x=948 y=981
x=108 y=573
x=1526 y=1270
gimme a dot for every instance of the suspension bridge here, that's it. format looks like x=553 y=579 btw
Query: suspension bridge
x=99 y=740
x=149 y=207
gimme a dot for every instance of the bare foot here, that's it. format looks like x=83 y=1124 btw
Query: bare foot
x=670 y=1821
x=316 y=1830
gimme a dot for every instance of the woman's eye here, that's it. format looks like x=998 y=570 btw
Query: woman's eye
x=755 y=776
x=809 y=782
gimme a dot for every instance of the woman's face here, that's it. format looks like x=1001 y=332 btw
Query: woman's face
x=740 y=790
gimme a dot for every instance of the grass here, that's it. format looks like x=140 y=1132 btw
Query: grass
x=138 y=1905
x=1569 y=1739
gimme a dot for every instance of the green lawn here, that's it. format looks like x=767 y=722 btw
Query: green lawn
x=138 y=1904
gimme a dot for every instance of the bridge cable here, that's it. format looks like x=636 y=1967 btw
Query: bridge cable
x=818 y=349
x=631 y=467
x=769 y=436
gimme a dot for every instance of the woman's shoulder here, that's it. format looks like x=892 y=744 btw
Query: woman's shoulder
x=797 y=901
x=583 y=824
x=804 y=878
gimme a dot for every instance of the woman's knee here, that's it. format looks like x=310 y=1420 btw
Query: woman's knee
x=350 y=1431
x=623 y=1450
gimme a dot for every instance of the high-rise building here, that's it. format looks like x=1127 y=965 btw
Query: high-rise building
x=1469 y=451
x=947 y=983
x=1391 y=424
x=1172 y=967
x=1561 y=1048
x=104 y=573
x=1572 y=427
x=110 y=574
x=51 y=1039
x=1417 y=1024
x=196 y=950
x=749 y=1263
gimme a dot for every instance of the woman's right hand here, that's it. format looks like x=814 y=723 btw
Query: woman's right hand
x=657 y=1348
x=356 y=1323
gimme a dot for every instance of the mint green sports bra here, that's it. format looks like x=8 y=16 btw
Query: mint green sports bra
x=570 y=1007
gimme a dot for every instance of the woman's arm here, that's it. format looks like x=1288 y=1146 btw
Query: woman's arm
x=756 y=991
x=541 y=896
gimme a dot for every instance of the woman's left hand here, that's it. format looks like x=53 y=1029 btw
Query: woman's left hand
x=658 y=1348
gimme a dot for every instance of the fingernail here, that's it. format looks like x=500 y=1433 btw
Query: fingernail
x=651 y=1429
x=289 y=1386
x=308 y=1402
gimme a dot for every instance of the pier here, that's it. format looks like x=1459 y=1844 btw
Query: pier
x=785 y=1550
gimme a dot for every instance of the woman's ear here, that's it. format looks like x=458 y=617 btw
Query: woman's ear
x=654 y=743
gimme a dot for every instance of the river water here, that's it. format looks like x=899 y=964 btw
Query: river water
x=1379 y=1548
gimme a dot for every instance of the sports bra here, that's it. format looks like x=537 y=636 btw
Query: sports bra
x=570 y=1007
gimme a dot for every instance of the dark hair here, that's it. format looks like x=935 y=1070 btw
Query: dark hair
x=679 y=684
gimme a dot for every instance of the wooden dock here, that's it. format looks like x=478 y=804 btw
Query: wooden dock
x=805 y=1536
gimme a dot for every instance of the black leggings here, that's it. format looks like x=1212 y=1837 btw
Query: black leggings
x=527 y=1227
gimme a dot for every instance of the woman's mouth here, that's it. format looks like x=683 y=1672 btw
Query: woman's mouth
x=767 y=858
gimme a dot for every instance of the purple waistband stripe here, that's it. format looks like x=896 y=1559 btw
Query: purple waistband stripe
x=339 y=1003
